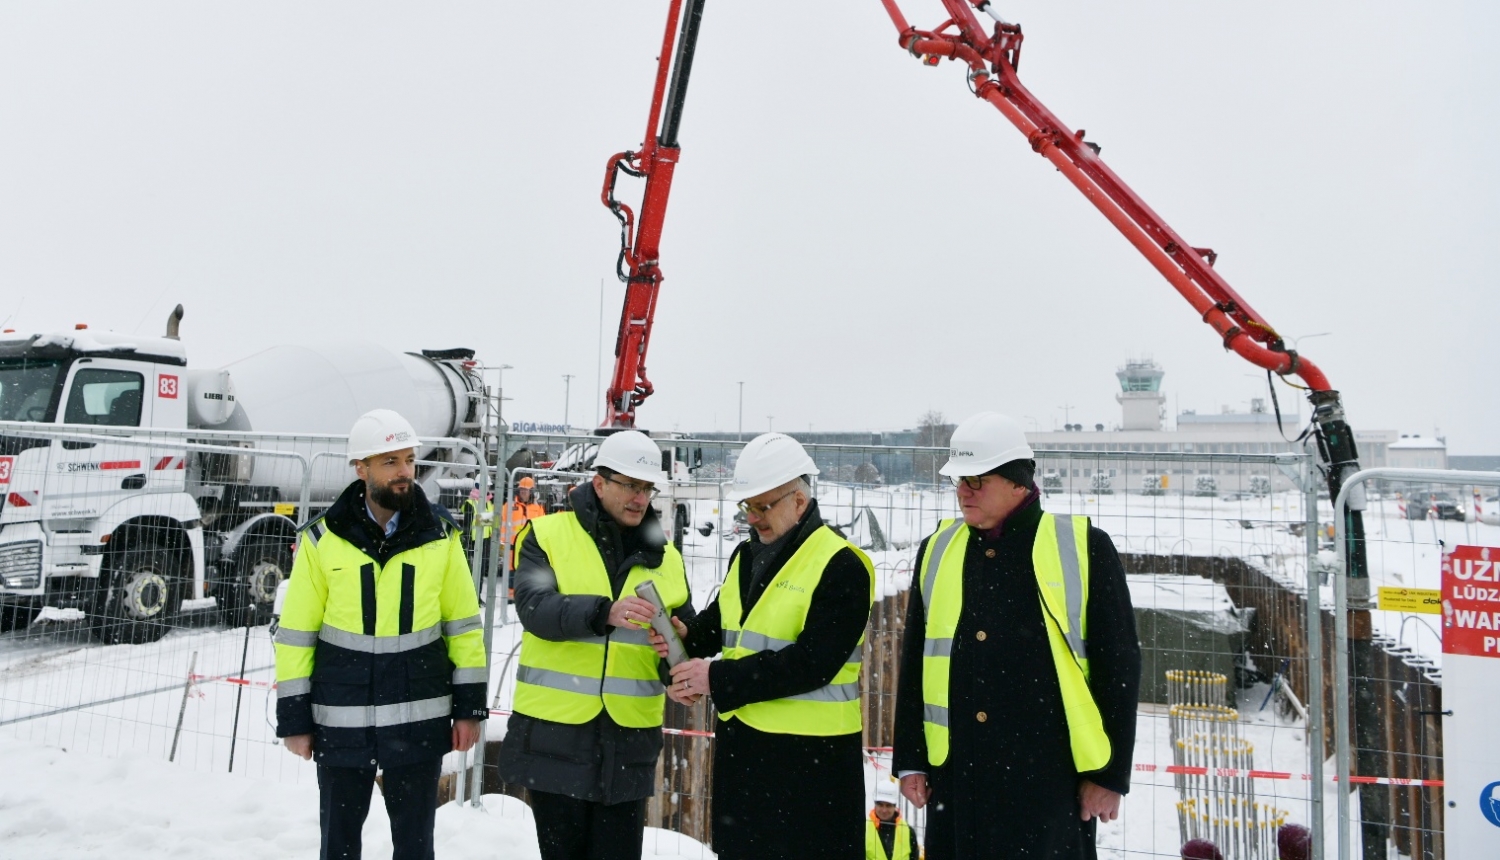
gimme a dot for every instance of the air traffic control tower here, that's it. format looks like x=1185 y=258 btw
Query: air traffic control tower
x=1140 y=395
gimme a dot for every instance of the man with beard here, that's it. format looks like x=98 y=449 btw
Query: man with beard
x=1015 y=708
x=789 y=624
x=589 y=702
x=380 y=658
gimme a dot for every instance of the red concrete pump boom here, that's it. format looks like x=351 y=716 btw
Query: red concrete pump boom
x=992 y=56
x=640 y=235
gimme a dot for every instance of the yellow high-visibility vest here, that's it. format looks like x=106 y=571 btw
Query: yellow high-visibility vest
x=901 y=845
x=477 y=528
x=1061 y=560
x=421 y=599
x=775 y=622
x=571 y=681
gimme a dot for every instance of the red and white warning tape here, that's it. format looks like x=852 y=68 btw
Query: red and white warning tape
x=229 y=679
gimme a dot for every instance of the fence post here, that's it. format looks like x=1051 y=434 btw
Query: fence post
x=187 y=689
x=1314 y=656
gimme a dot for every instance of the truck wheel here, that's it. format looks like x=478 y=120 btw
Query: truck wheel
x=139 y=593
x=262 y=564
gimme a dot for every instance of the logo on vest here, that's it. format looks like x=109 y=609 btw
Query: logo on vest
x=790 y=587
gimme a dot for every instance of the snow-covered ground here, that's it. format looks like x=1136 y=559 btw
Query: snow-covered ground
x=91 y=727
x=62 y=804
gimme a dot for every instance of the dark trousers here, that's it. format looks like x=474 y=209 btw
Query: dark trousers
x=410 y=801
x=571 y=829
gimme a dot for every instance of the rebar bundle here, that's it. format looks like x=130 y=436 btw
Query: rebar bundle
x=1213 y=770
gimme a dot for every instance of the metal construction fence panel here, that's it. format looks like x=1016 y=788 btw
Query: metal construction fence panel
x=1228 y=742
x=1387 y=702
x=1218 y=549
x=138 y=574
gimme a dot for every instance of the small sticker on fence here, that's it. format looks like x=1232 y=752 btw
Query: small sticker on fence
x=1426 y=600
x=286 y=509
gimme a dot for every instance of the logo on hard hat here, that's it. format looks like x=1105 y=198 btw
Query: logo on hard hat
x=644 y=460
x=398 y=436
x=954 y=452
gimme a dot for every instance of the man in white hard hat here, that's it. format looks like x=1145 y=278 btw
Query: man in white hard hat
x=887 y=835
x=590 y=689
x=789 y=624
x=380 y=658
x=1015 y=712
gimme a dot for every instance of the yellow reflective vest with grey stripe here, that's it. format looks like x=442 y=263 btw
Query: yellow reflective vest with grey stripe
x=774 y=623
x=573 y=680
x=1060 y=559
x=388 y=654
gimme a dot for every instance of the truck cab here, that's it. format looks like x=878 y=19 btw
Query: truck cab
x=65 y=495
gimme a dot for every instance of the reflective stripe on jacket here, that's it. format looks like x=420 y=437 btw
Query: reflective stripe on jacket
x=380 y=648
x=571 y=681
x=1060 y=560
x=901 y=845
x=774 y=623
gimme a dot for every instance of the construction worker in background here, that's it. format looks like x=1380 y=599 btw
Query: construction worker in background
x=380 y=658
x=789 y=623
x=590 y=690
x=521 y=509
x=1015 y=711
x=479 y=525
x=888 y=836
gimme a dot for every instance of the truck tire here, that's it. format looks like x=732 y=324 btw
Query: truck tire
x=138 y=595
x=261 y=564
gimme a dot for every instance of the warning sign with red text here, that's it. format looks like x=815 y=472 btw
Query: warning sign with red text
x=1471 y=601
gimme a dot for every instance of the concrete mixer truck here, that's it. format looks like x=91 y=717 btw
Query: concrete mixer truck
x=134 y=488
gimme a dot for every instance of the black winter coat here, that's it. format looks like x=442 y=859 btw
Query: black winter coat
x=600 y=760
x=1009 y=787
x=403 y=676
x=777 y=795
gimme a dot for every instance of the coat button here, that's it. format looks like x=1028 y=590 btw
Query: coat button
x=981 y=716
x=989 y=553
x=981 y=636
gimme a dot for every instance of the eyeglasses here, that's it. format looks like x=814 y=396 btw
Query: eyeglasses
x=973 y=482
x=761 y=510
x=635 y=488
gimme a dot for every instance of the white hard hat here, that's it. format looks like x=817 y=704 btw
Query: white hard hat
x=380 y=431
x=770 y=460
x=983 y=442
x=886 y=791
x=632 y=454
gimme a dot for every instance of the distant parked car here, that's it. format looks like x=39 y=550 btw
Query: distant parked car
x=1441 y=506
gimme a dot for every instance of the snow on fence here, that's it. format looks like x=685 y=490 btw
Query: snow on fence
x=1219 y=578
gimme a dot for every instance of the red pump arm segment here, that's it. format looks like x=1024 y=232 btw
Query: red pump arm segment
x=992 y=60
x=640 y=236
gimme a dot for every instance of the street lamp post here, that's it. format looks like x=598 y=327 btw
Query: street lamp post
x=770 y=423
x=567 y=398
x=739 y=433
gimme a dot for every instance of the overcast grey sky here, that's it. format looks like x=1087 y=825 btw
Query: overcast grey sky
x=852 y=234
